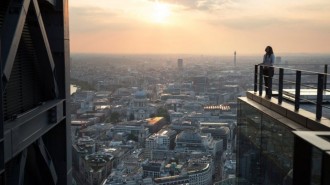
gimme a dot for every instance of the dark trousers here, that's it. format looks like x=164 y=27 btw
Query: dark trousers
x=268 y=73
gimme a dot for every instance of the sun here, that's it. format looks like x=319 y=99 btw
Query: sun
x=161 y=13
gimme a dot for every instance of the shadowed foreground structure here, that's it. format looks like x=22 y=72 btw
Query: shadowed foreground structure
x=35 y=146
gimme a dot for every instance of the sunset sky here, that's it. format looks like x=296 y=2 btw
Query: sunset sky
x=217 y=27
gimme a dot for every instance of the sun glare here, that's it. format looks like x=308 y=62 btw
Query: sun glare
x=161 y=13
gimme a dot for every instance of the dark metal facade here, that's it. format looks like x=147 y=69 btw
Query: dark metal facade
x=311 y=158
x=35 y=142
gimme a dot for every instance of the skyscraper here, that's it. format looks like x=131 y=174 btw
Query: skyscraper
x=180 y=64
x=35 y=142
x=235 y=58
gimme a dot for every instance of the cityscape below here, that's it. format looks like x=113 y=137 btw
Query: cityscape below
x=77 y=109
x=157 y=119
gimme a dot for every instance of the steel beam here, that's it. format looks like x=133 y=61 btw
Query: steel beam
x=44 y=34
x=46 y=54
x=2 y=153
x=255 y=78
x=260 y=79
x=13 y=24
x=47 y=158
x=16 y=175
x=319 y=100
x=52 y=2
x=280 y=86
x=297 y=92
x=27 y=128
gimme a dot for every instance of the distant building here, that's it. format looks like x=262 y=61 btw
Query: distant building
x=175 y=115
x=189 y=141
x=135 y=129
x=200 y=174
x=179 y=125
x=139 y=107
x=235 y=58
x=163 y=140
x=155 y=124
x=153 y=169
x=180 y=64
x=278 y=60
x=83 y=147
x=175 y=180
x=200 y=84
x=219 y=131
x=118 y=154
x=76 y=126
x=96 y=168
x=197 y=174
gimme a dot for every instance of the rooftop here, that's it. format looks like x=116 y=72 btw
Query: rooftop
x=306 y=90
x=197 y=168
x=154 y=120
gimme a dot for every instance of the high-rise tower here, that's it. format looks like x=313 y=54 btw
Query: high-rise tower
x=35 y=142
x=235 y=58
x=180 y=68
x=180 y=64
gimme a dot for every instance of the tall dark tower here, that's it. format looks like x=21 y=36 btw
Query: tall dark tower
x=235 y=58
x=180 y=64
x=35 y=142
x=180 y=68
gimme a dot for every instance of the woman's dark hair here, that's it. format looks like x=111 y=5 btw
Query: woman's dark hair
x=270 y=50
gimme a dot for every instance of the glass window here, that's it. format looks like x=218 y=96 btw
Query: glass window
x=249 y=132
x=277 y=151
x=265 y=148
x=316 y=166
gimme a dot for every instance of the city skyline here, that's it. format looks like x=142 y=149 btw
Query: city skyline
x=199 y=27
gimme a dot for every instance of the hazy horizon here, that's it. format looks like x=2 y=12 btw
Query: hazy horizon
x=298 y=54
x=207 y=27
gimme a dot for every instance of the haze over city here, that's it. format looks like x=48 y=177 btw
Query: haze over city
x=159 y=92
x=199 y=27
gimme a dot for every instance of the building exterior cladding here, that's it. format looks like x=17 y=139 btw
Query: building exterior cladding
x=35 y=141
x=265 y=140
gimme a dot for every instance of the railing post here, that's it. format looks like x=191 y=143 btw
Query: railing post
x=297 y=93
x=326 y=76
x=255 y=78
x=260 y=80
x=280 y=86
x=320 y=85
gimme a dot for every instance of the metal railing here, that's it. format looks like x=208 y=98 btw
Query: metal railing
x=280 y=78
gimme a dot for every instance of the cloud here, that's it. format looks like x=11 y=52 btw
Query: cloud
x=311 y=7
x=199 y=4
x=253 y=22
x=93 y=19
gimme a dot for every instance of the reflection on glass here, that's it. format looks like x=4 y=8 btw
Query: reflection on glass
x=277 y=151
x=265 y=148
x=249 y=129
x=316 y=166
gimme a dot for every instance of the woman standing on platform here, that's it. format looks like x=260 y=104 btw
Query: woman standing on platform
x=268 y=70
